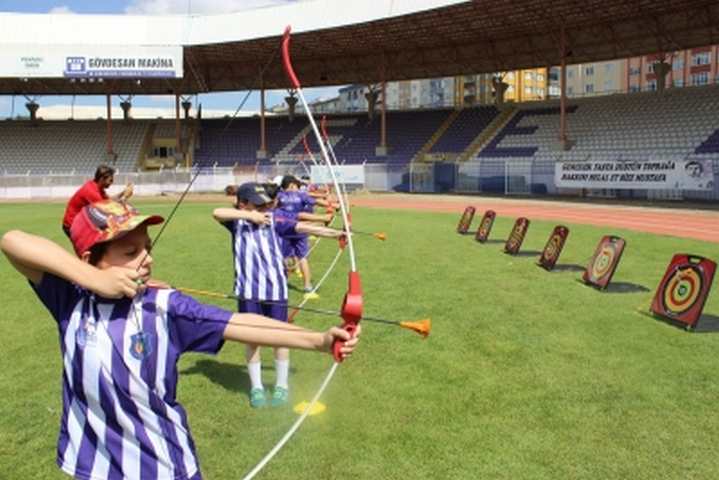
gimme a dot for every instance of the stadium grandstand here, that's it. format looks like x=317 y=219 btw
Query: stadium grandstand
x=502 y=147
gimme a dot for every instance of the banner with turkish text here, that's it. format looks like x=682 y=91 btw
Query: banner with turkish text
x=636 y=174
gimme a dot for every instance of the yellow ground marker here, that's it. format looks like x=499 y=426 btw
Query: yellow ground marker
x=311 y=296
x=318 y=408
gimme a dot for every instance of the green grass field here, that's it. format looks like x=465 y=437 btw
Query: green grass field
x=527 y=374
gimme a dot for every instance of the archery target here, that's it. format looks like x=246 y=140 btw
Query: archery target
x=485 y=226
x=554 y=247
x=516 y=237
x=684 y=289
x=466 y=220
x=604 y=261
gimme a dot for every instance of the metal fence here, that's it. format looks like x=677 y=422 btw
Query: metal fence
x=492 y=176
x=530 y=177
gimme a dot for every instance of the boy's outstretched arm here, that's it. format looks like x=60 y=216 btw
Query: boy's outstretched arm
x=229 y=214
x=259 y=330
x=34 y=256
x=314 y=217
x=318 y=230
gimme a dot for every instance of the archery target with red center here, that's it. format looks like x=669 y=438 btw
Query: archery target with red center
x=485 y=226
x=516 y=237
x=684 y=289
x=604 y=261
x=466 y=220
x=554 y=247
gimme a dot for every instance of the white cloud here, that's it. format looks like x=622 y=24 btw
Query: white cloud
x=158 y=7
x=60 y=10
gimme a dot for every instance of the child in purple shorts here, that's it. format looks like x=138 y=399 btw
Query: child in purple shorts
x=293 y=200
x=120 y=342
x=260 y=278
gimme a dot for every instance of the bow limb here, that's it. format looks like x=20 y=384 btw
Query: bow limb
x=352 y=304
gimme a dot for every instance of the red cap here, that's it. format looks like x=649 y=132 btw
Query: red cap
x=104 y=221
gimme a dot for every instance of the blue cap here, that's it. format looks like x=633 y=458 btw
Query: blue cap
x=253 y=193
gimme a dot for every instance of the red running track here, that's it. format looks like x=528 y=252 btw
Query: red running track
x=684 y=223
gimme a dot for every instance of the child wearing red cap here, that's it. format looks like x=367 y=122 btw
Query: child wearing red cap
x=120 y=343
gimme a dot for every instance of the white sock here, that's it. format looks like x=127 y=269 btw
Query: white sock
x=282 y=368
x=255 y=371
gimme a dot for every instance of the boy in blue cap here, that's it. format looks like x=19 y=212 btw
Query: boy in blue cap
x=260 y=278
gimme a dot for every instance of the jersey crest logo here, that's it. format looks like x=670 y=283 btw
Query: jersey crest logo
x=141 y=345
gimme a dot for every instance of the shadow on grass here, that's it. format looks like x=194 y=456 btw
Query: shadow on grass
x=617 y=287
x=707 y=323
x=491 y=242
x=625 y=287
x=229 y=376
x=295 y=288
x=568 y=267
x=528 y=253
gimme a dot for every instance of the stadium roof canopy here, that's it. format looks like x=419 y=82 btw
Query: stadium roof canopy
x=341 y=42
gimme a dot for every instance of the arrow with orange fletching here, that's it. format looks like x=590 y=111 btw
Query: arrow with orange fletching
x=378 y=235
x=421 y=327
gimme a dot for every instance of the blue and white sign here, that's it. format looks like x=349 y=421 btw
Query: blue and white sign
x=82 y=61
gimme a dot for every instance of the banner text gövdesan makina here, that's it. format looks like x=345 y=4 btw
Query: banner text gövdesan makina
x=636 y=174
x=91 y=61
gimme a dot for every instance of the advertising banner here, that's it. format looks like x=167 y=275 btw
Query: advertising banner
x=83 y=61
x=348 y=174
x=636 y=174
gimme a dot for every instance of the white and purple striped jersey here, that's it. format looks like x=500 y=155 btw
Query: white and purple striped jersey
x=120 y=417
x=259 y=268
x=295 y=201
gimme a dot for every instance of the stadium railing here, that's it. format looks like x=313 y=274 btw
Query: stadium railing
x=490 y=176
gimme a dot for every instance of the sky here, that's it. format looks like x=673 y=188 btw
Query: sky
x=143 y=106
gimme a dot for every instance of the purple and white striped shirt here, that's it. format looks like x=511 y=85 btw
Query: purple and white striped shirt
x=259 y=268
x=295 y=201
x=120 y=417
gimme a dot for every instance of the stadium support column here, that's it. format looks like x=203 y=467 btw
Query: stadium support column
x=178 y=140
x=661 y=69
x=262 y=152
x=381 y=150
x=564 y=142
x=110 y=152
x=545 y=86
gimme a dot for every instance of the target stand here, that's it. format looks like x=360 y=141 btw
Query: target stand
x=466 y=220
x=553 y=248
x=485 y=226
x=684 y=289
x=604 y=262
x=516 y=237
